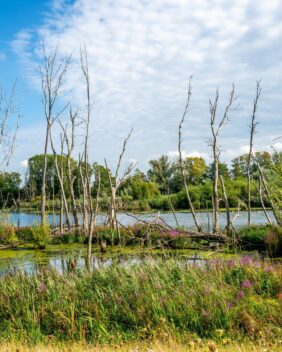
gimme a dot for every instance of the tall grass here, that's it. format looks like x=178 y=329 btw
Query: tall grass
x=151 y=346
x=139 y=302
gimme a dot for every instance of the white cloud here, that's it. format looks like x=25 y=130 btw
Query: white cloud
x=24 y=163
x=140 y=55
x=174 y=154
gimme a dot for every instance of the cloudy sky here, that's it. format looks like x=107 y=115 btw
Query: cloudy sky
x=141 y=53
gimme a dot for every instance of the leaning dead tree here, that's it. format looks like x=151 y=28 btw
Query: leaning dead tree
x=181 y=161
x=115 y=184
x=268 y=194
x=9 y=123
x=52 y=72
x=214 y=143
x=253 y=126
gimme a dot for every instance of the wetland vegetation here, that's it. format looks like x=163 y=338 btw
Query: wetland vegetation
x=98 y=274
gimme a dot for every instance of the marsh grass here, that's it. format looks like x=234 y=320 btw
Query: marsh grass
x=161 y=298
x=153 y=346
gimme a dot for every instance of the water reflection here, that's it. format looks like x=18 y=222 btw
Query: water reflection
x=76 y=260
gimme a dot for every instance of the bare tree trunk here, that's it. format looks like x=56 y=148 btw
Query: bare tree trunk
x=70 y=143
x=115 y=185
x=228 y=216
x=250 y=155
x=60 y=176
x=181 y=163
x=215 y=129
x=52 y=73
x=274 y=210
x=43 y=185
x=262 y=201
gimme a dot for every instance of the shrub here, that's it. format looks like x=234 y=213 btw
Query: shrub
x=252 y=237
x=25 y=234
x=40 y=236
x=8 y=235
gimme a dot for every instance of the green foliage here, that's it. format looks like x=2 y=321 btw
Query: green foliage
x=10 y=183
x=252 y=237
x=8 y=235
x=121 y=303
x=40 y=236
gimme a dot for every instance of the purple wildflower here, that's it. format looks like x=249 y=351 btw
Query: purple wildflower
x=240 y=295
x=173 y=233
x=246 y=284
x=230 y=306
x=269 y=268
x=246 y=260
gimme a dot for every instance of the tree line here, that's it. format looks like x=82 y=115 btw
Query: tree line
x=151 y=189
x=83 y=188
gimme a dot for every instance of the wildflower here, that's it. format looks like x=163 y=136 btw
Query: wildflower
x=269 y=268
x=230 y=306
x=246 y=284
x=245 y=260
x=240 y=294
x=173 y=233
x=231 y=263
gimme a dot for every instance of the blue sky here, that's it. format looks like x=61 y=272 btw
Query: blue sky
x=140 y=55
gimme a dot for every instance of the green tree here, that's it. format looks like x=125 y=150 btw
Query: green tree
x=10 y=187
x=160 y=172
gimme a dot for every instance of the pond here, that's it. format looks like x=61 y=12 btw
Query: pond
x=64 y=258
x=184 y=218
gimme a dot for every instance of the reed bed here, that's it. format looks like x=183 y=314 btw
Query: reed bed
x=225 y=301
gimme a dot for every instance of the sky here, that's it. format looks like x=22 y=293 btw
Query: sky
x=141 y=54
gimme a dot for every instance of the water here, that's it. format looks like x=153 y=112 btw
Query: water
x=184 y=218
x=65 y=258
x=60 y=256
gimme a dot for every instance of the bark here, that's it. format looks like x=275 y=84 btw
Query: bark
x=250 y=155
x=228 y=216
x=262 y=201
x=214 y=143
x=269 y=197
x=181 y=163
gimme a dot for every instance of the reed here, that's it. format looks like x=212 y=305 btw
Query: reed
x=220 y=300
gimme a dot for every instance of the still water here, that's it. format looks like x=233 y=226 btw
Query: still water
x=184 y=219
x=70 y=257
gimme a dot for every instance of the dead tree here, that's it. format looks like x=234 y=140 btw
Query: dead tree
x=253 y=126
x=89 y=212
x=85 y=174
x=181 y=161
x=261 y=194
x=60 y=176
x=8 y=113
x=70 y=144
x=276 y=214
x=214 y=143
x=52 y=72
x=115 y=183
x=229 y=227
